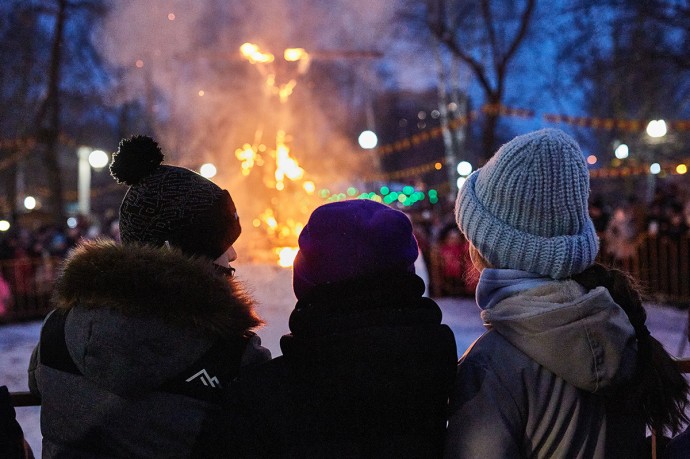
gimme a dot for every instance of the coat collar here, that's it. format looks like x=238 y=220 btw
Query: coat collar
x=140 y=280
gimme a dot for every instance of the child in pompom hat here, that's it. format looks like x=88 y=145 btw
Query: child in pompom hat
x=147 y=335
x=566 y=367
x=367 y=367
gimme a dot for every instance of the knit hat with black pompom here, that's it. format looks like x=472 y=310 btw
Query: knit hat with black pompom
x=171 y=204
x=527 y=207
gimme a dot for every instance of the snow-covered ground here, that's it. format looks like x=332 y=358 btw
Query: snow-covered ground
x=272 y=288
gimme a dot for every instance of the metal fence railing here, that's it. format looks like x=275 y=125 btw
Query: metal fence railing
x=662 y=266
x=30 y=284
x=660 y=263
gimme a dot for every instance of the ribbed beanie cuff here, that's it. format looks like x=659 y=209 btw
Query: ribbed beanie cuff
x=527 y=207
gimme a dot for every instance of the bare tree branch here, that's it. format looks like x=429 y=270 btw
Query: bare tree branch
x=476 y=66
x=525 y=21
x=492 y=80
x=489 y=24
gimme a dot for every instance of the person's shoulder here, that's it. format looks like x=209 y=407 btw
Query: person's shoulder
x=679 y=446
x=492 y=350
x=264 y=387
x=486 y=344
x=265 y=376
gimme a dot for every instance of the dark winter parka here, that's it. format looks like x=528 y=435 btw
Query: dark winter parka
x=366 y=372
x=133 y=361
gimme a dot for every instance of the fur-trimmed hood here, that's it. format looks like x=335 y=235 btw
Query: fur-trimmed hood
x=144 y=281
x=140 y=315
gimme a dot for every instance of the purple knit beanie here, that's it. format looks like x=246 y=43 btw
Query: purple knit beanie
x=352 y=239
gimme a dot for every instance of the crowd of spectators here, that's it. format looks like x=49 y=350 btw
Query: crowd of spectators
x=623 y=226
x=29 y=261
x=28 y=258
x=445 y=252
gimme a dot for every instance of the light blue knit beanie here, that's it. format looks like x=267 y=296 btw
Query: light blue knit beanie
x=527 y=207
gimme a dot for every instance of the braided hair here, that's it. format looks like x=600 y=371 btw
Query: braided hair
x=658 y=391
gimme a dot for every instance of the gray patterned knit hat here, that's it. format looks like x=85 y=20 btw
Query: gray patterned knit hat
x=171 y=204
x=527 y=207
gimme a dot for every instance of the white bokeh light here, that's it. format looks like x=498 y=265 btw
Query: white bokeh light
x=368 y=140
x=464 y=168
x=208 y=170
x=98 y=159
x=656 y=128
x=29 y=202
x=622 y=151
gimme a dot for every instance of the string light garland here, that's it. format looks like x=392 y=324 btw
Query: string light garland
x=424 y=136
x=680 y=168
x=499 y=109
x=626 y=125
x=17 y=143
x=24 y=146
x=414 y=171
x=13 y=158
x=22 y=149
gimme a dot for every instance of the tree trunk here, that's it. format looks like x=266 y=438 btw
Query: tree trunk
x=491 y=119
x=48 y=121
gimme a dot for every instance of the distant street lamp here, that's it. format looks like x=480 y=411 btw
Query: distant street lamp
x=98 y=159
x=88 y=158
x=656 y=130
x=29 y=203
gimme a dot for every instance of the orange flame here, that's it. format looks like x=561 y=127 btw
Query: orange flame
x=286 y=255
x=286 y=165
x=248 y=156
x=285 y=90
x=281 y=230
x=295 y=54
x=254 y=54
